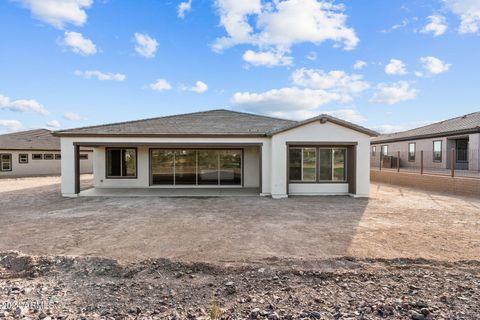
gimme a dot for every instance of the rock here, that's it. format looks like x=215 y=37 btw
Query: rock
x=254 y=313
x=425 y=311
x=315 y=314
x=230 y=287
x=273 y=316
x=417 y=316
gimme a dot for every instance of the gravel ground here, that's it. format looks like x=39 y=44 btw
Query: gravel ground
x=394 y=223
x=93 y=288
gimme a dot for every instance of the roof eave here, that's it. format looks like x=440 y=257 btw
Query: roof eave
x=153 y=135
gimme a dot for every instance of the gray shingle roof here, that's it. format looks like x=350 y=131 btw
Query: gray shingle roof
x=215 y=122
x=469 y=123
x=39 y=139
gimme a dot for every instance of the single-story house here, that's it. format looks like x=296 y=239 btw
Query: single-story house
x=223 y=149
x=35 y=153
x=437 y=140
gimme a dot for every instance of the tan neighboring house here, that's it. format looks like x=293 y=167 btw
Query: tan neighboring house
x=450 y=142
x=35 y=153
x=224 y=151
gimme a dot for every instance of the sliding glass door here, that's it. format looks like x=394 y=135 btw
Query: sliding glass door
x=196 y=167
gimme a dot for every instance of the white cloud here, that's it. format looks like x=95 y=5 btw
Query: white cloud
x=267 y=58
x=359 y=64
x=161 y=85
x=286 y=100
x=334 y=81
x=58 y=12
x=54 y=124
x=434 y=65
x=145 y=45
x=393 y=128
x=200 y=87
x=351 y=115
x=312 y=56
x=312 y=88
x=393 y=93
x=395 y=67
x=278 y=25
x=469 y=13
x=72 y=116
x=87 y=74
x=11 y=125
x=22 y=105
x=78 y=44
x=184 y=7
x=397 y=26
x=437 y=25
x=390 y=128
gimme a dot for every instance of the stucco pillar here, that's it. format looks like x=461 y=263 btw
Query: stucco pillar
x=68 y=168
x=279 y=169
x=266 y=159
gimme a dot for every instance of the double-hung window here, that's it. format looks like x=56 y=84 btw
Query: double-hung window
x=5 y=162
x=384 y=150
x=437 y=151
x=121 y=163
x=411 y=151
x=23 y=158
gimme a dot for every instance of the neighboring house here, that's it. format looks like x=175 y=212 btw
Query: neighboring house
x=223 y=149
x=34 y=153
x=462 y=134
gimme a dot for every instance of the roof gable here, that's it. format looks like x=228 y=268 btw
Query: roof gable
x=328 y=118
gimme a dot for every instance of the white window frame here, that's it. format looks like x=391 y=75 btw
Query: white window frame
x=3 y=161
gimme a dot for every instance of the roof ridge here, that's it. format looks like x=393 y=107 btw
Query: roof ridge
x=257 y=115
x=24 y=132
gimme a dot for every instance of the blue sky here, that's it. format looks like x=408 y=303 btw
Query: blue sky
x=387 y=65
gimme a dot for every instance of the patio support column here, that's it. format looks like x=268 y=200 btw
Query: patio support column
x=69 y=171
x=265 y=169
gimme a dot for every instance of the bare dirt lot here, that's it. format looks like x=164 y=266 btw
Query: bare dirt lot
x=402 y=254
x=394 y=223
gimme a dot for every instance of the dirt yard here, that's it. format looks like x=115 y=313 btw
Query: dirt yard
x=395 y=222
x=402 y=254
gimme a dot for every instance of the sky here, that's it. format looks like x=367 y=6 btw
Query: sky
x=386 y=65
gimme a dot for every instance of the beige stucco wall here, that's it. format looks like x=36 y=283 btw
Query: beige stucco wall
x=41 y=167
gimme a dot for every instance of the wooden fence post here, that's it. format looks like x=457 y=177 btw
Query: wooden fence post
x=398 y=161
x=381 y=158
x=421 y=162
x=452 y=162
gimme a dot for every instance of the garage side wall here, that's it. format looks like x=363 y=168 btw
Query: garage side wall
x=316 y=132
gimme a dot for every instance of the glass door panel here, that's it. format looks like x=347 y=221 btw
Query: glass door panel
x=162 y=167
x=230 y=167
x=185 y=167
x=208 y=167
